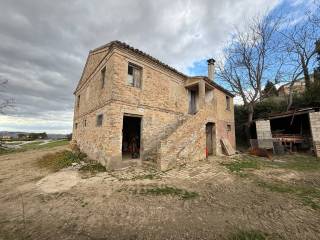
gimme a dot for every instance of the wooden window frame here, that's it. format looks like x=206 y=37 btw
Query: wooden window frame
x=135 y=83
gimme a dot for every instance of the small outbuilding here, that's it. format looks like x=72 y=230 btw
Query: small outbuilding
x=295 y=130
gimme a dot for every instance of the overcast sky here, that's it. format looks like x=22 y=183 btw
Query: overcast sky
x=44 y=45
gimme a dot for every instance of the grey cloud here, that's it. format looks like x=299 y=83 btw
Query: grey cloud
x=44 y=43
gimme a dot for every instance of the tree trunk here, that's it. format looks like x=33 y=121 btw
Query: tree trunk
x=290 y=97
x=249 y=122
x=306 y=74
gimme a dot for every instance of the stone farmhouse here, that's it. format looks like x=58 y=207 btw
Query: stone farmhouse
x=132 y=108
x=298 y=87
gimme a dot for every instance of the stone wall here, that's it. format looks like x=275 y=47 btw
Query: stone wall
x=263 y=129
x=160 y=89
x=314 y=118
x=161 y=102
x=92 y=94
x=224 y=117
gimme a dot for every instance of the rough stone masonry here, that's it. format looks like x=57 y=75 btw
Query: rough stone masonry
x=131 y=107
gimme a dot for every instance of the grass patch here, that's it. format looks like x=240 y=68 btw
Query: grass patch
x=93 y=167
x=59 y=160
x=297 y=162
x=4 y=151
x=160 y=191
x=36 y=145
x=310 y=196
x=248 y=235
x=55 y=144
x=238 y=166
x=33 y=146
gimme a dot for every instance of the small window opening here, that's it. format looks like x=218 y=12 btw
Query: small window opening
x=103 y=76
x=85 y=122
x=99 y=120
x=227 y=102
x=134 y=75
x=78 y=101
x=228 y=127
x=76 y=125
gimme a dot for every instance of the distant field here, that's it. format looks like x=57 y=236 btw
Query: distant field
x=24 y=146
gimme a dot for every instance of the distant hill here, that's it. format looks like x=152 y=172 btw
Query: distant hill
x=15 y=134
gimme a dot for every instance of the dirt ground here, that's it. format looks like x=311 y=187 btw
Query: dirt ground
x=37 y=204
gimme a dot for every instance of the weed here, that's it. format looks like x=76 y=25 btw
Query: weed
x=59 y=160
x=93 y=167
x=247 y=235
x=241 y=165
x=166 y=190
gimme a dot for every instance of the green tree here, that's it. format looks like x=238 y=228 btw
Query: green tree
x=43 y=135
x=270 y=90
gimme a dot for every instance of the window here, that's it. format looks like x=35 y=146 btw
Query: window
x=134 y=75
x=76 y=125
x=99 y=120
x=85 y=122
x=227 y=102
x=78 y=101
x=103 y=76
x=228 y=127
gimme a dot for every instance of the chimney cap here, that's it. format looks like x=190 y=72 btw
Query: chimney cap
x=211 y=61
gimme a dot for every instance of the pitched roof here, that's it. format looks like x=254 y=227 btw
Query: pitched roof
x=123 y=45
x=289 y=113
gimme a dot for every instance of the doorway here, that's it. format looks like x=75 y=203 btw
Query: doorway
x=210 y=138
x=131 y=137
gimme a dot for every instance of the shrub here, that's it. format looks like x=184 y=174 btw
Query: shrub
x=59 y=160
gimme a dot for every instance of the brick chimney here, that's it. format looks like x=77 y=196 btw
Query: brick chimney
x=211 y=67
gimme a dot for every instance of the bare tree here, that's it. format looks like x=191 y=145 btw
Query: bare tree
x=247 y=62
x=298 y=45
x=313 y=15
x=4 y=103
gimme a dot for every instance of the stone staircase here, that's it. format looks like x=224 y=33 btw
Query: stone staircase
x=151 y=155
x=184 y=143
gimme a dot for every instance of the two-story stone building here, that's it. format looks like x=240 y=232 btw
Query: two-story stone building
x=131 y=107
